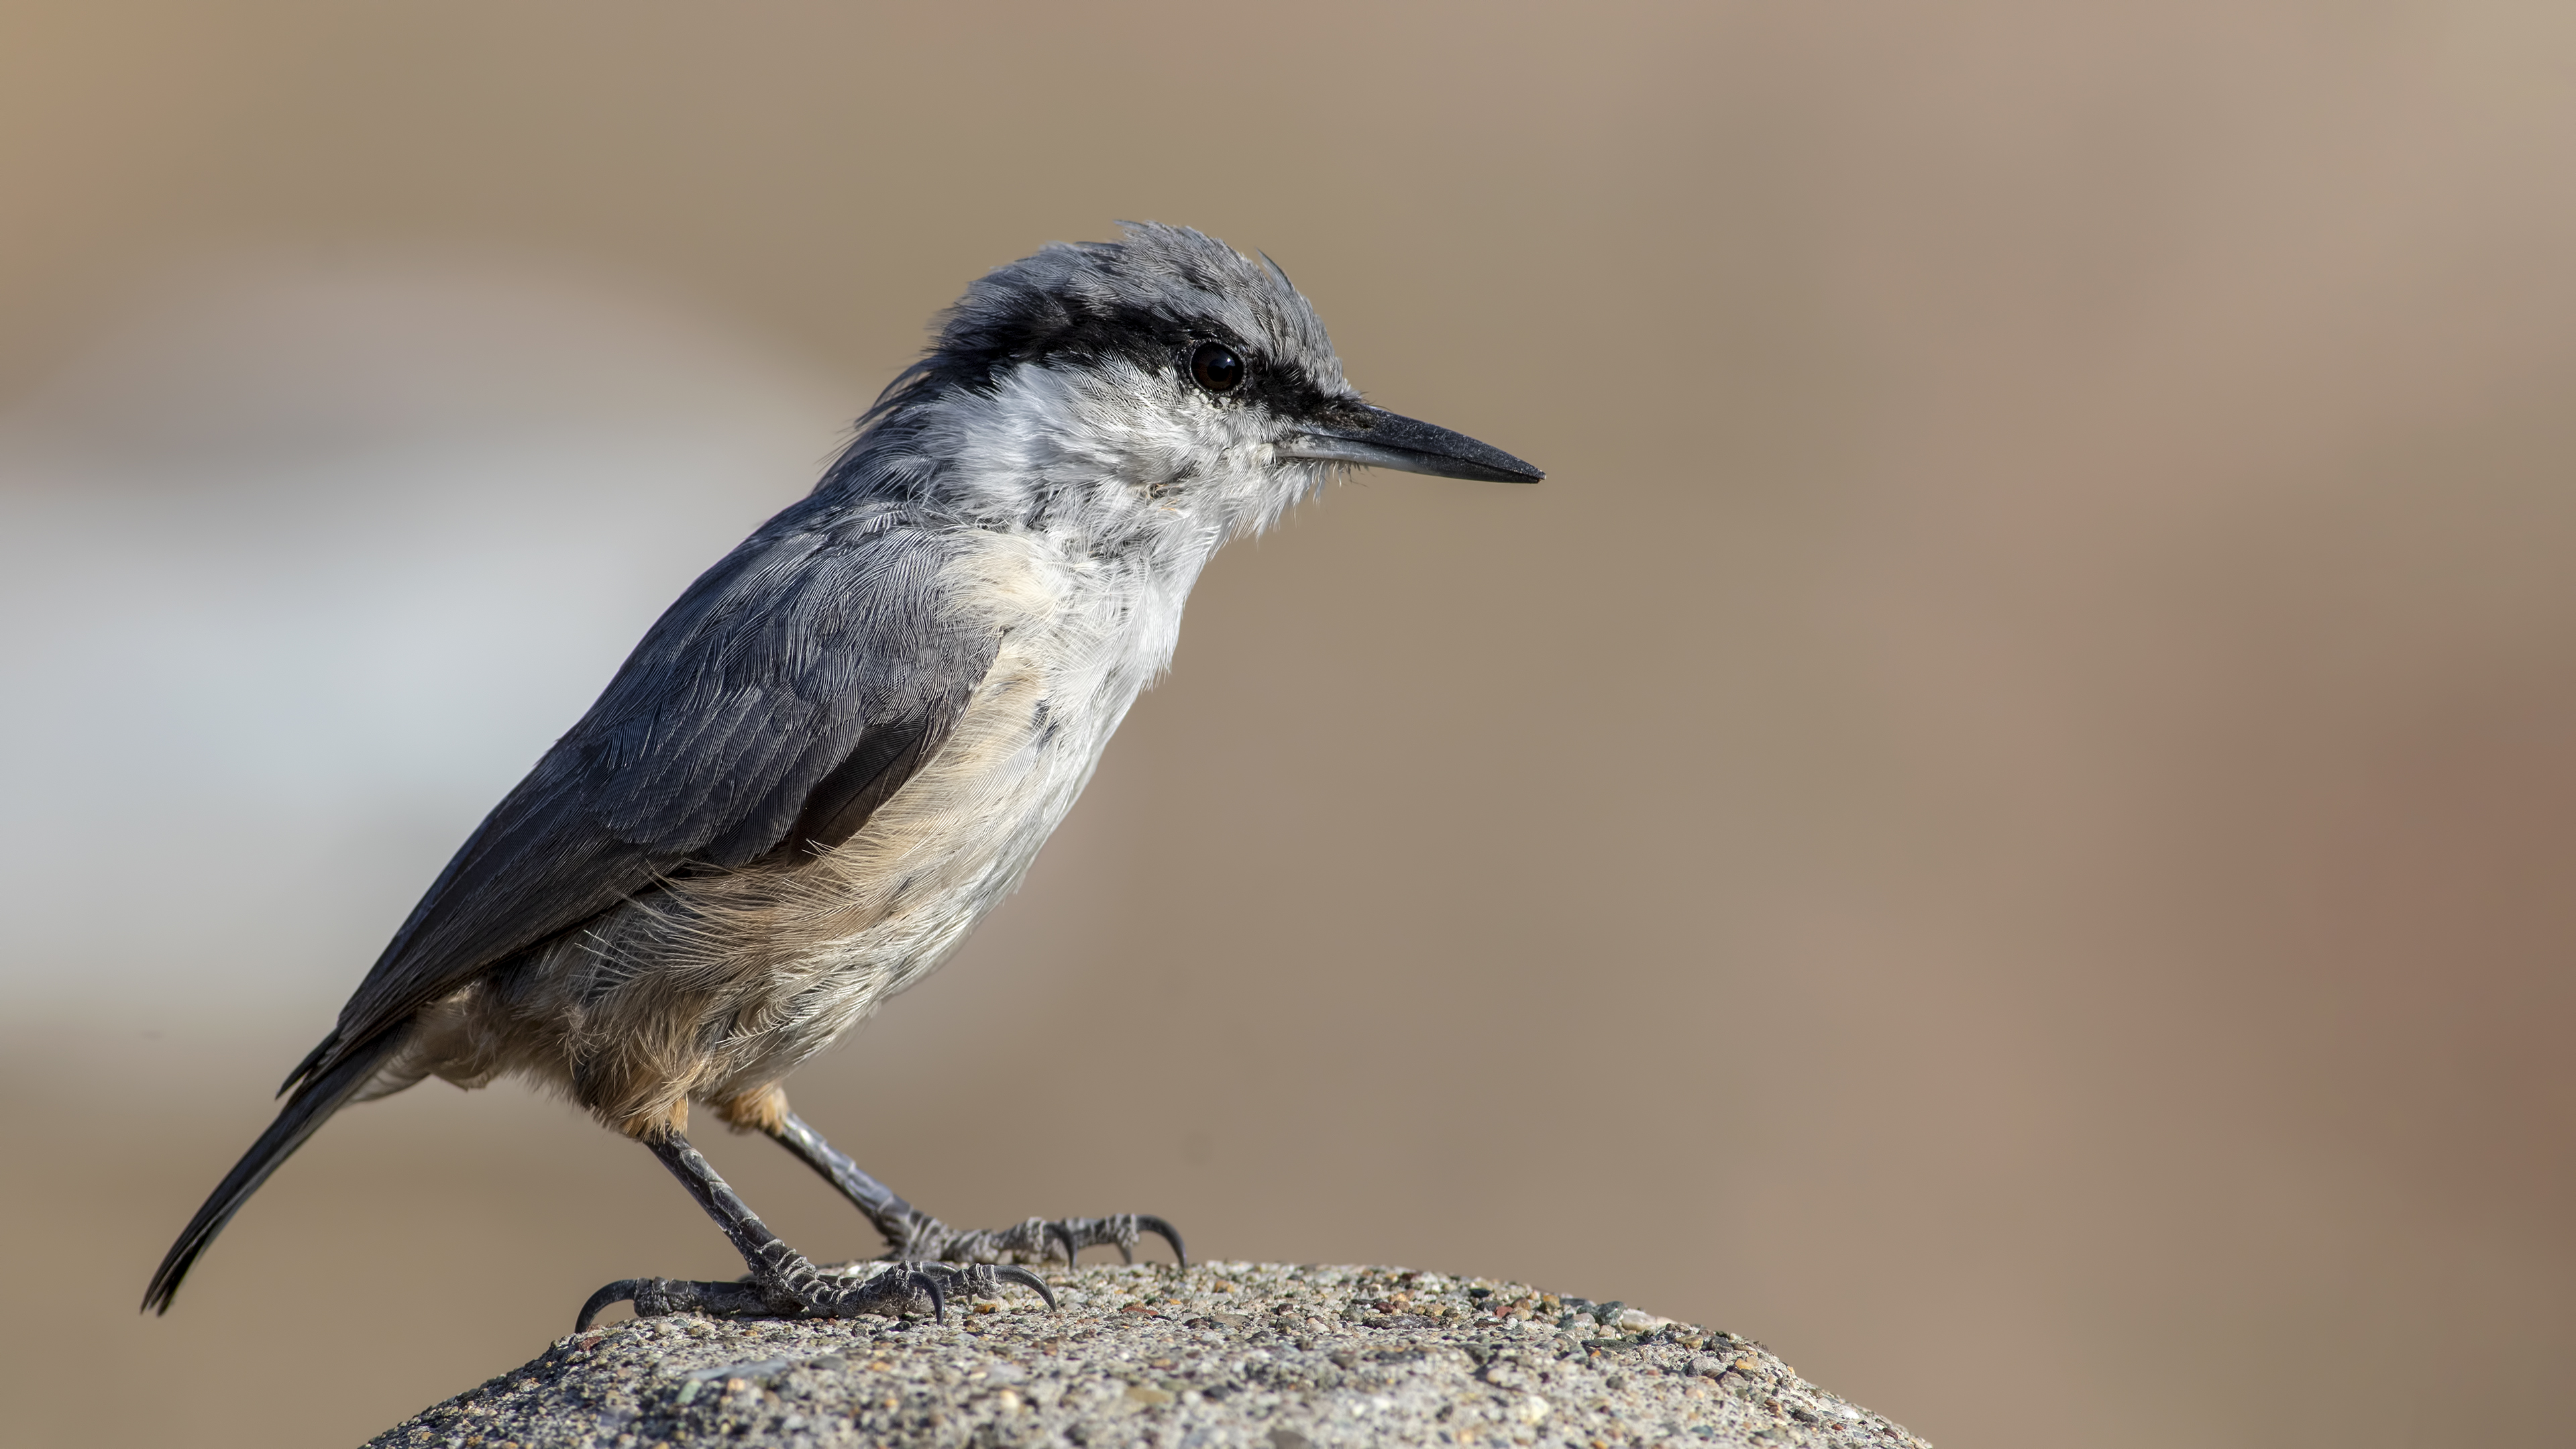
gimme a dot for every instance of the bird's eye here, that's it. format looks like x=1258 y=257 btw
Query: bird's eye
x=1216 y=367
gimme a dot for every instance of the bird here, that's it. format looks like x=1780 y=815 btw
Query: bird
x=846 y=742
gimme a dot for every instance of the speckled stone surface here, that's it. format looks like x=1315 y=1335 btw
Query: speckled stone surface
x=1265 y=1356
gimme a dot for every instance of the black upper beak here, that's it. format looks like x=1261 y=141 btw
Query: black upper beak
x=1376 y=438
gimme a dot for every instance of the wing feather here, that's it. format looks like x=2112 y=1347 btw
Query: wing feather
x=787 y=693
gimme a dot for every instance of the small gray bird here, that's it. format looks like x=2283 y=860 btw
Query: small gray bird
x=846 y=742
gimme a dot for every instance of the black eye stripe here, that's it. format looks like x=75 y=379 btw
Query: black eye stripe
x=1215 y=367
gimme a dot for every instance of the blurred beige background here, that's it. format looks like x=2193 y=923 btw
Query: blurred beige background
x=2002 y=822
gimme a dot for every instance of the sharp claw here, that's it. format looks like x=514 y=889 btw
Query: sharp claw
x=1010 y=1273
x=1167 y=1233
x=621 y=1291
x=938 y=1299
x=1126 y=1254
x=1058 y=1232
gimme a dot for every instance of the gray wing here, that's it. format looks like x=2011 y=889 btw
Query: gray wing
x=795 y=686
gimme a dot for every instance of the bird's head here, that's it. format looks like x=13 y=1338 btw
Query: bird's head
x=1163 y=388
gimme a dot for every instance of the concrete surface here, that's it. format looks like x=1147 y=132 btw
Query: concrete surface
x=1262 y=1355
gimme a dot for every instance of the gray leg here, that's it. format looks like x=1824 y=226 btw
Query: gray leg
x=914 y=1236
x=782 y=1284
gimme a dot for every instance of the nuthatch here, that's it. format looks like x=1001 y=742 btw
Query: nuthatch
x=846 y=742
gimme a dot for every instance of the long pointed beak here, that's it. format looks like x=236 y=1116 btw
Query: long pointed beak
x=1375 y=438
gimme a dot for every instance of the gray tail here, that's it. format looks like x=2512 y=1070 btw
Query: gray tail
x=313 y=1102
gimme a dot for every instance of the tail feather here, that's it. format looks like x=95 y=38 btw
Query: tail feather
x=313 y=1103
x=312 y=1060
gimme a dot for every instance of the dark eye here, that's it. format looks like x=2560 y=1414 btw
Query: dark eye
x=1216 y=367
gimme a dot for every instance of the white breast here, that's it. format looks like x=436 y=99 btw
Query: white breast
x=1080 y=638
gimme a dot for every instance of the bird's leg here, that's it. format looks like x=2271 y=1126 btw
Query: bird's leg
x=782 y=1284
x=914 y=1236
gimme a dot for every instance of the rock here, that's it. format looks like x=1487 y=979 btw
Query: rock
x=1227 y=1356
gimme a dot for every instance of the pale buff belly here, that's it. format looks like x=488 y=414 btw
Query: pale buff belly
x=713 y=988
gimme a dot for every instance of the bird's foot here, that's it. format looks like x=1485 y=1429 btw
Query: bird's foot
x=795 y=1288
x=914 y=1236
x=925 y=1239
